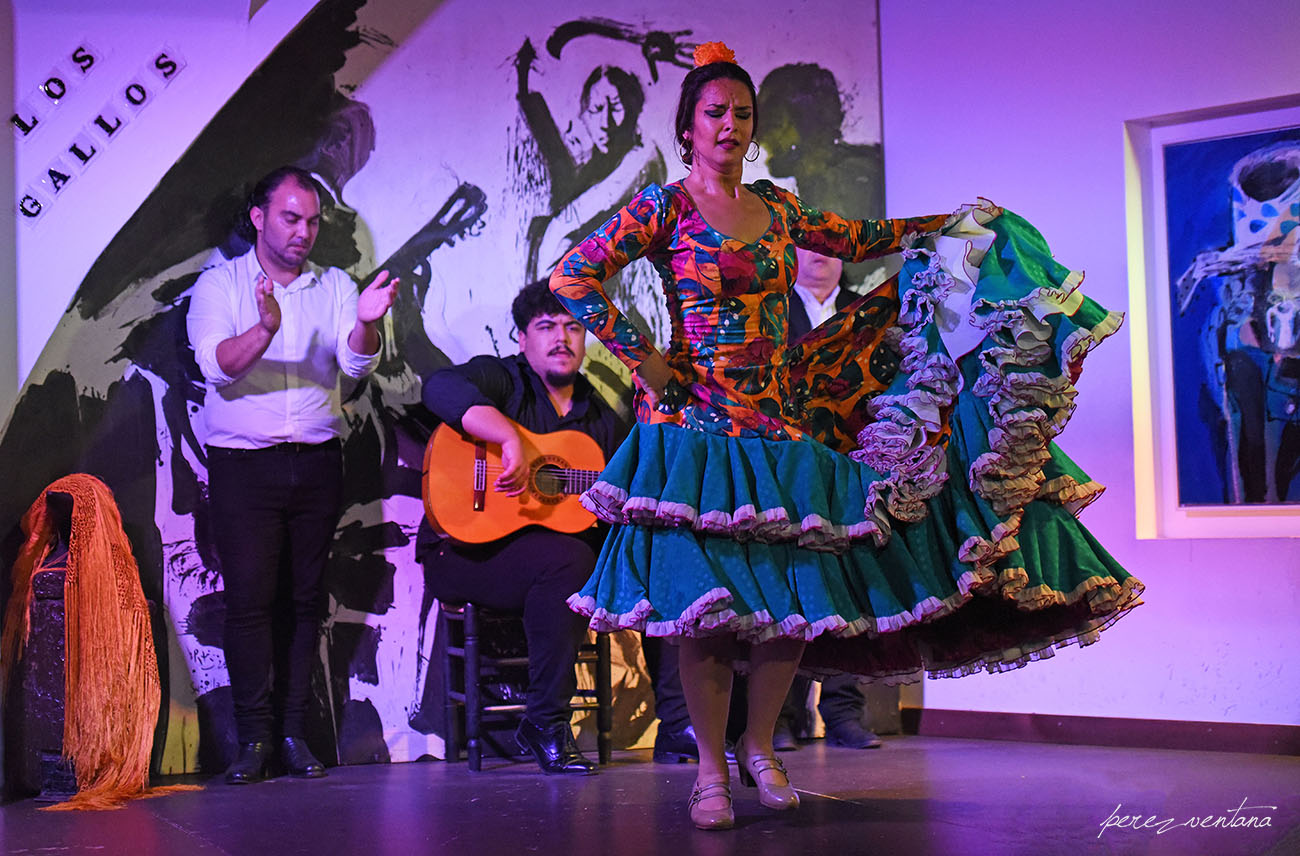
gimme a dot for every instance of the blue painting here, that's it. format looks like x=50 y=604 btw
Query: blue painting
x=1233 y=205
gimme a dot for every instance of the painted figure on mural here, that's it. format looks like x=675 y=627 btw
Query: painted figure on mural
x=802 y=134
x=856 y=501
x=1244 y=299
x=599 y=157
x=597 y=154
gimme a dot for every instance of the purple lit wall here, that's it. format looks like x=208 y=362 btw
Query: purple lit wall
x=8 y=262
x=1025 y=103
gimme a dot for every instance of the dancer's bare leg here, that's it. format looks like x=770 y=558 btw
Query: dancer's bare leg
x=705 y=664
x=772 y=666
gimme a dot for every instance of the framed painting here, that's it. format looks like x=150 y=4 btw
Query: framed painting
x=1214 y=226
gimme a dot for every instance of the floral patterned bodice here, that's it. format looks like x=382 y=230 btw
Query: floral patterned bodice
x=728 y=301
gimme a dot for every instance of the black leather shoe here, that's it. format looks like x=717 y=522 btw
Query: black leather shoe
x=851 y=735
x=250 y=766
x=554 y=748
x=298 y=760
x=783 y=737
x=676 y=747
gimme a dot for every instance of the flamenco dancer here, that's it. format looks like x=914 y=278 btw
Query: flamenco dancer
x=879 y=498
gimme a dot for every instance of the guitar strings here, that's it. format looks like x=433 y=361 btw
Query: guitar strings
x=592 y=473
x=573 y=480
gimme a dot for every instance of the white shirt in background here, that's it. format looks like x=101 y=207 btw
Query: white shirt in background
x=818 y=310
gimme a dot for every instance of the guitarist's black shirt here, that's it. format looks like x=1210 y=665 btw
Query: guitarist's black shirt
x=510 y=385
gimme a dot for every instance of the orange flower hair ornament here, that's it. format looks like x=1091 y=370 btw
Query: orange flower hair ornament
x=714 y=52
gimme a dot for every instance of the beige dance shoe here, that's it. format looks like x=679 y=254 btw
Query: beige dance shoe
x=781 y=797
x=715 y=818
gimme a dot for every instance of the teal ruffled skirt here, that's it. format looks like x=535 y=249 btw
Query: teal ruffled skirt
x=948 y=542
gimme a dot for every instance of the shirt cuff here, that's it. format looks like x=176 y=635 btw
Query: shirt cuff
x=356 y=365
x=206 y=356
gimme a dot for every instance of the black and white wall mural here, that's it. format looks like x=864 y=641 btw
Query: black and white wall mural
x=463 y=147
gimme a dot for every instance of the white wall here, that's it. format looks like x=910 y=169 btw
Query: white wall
x=220 y=44
x=8 y=261
x=1024 y=102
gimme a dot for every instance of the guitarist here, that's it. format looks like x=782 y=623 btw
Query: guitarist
x=534 y=570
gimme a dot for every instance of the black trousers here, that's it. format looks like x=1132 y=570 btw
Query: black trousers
x=661 y=659
x=532 y=572
x=842 y=700
x=274 y=512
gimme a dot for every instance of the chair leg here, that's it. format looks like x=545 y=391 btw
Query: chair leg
x=450 y=709
x=604 y=698
x=473 y=698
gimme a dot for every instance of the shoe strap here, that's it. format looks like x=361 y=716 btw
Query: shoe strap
x=759 y=764
x=712 y=789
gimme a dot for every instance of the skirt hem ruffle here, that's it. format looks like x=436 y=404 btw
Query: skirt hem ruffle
x=1106 y=598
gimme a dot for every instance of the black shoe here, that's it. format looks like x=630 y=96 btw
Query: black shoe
x=676 y=747
x=250 y=766
x=298 y=760
x=783 y=737
x=851 y=735
x=554 y=748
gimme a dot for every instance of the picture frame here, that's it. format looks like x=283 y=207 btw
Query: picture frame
x=1216 y=361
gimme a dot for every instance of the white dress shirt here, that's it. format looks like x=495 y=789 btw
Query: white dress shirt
x=291 y=394
x=818 y=310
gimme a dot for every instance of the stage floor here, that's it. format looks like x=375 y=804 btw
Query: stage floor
x=917 y=795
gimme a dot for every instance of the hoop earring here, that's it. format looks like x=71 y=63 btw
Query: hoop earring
x=686 y=152
x=756 y=151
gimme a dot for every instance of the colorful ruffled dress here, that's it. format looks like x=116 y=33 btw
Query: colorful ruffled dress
x=885 y=487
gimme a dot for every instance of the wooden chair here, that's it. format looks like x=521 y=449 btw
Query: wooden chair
x=468 y=669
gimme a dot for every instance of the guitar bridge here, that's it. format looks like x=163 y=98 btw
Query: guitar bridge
x=480 y=475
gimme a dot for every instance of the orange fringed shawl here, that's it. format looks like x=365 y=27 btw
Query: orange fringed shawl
x=112 y=687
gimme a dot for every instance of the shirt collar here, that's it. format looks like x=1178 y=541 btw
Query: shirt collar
x=810 y=301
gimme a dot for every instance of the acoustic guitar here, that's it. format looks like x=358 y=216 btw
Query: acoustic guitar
x=459 y=471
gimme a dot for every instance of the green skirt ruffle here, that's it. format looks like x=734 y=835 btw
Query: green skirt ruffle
x=948 y=542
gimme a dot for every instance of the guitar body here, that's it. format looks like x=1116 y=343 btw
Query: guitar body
x=459 y=472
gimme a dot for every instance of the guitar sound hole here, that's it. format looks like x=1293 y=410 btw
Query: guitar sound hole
x=550 y=479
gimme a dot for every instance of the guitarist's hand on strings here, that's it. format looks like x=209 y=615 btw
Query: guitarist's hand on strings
x=513 y=479
x=489 y=424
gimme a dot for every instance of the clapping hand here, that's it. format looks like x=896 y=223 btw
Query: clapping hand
x=268 y=308
x=376 y=299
